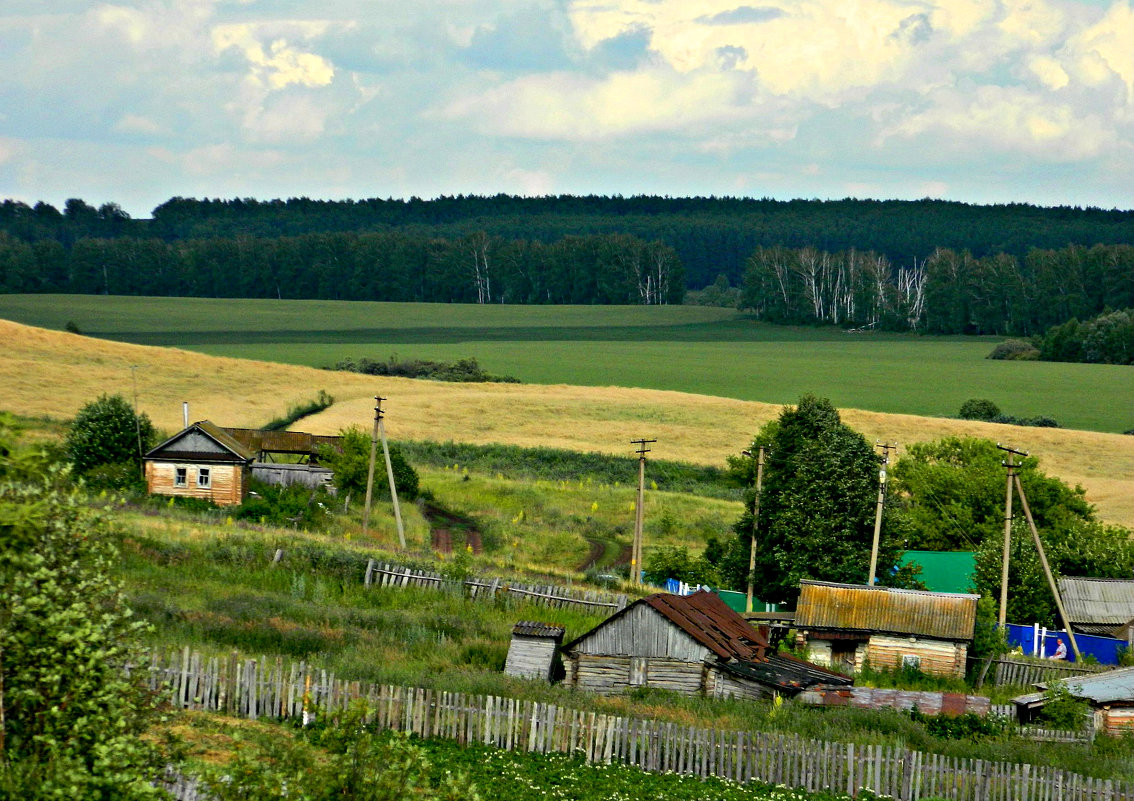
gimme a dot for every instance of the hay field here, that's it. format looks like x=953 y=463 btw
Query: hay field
x=53 y=373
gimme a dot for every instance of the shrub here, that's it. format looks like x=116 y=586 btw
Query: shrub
x=979 y=409
x=1062 y=710
x=301 y=410
x=106 y=431
x=1015 y=350
x=351 y=463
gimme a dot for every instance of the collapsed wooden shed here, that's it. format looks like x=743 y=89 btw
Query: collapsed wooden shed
x=533 y=652
x=848 y=625
x=1110 y=696
x=693 y=645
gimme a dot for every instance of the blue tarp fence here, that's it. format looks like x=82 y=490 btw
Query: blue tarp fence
x=1036 y=640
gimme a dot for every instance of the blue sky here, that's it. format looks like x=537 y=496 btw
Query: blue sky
x=973 y=100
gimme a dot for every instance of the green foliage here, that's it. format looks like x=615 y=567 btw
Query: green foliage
x=301 y=410
x=968 y=726
x=71 y=716
x=979 y=409
x=296 y=506
x=345 y=759
x=675 y=562
x=1062 y=710
x=989 y=638
x=1105 y=339
x=106 y=431
x=554 y=464
x=351 y=463
x=462 y=370
x=817 y=507
x=1014 y=350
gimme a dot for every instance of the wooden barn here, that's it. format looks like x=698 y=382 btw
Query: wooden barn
x=690 y=644
x=533 y=652
x=1110 y=696
x=847 y=625
x=201 y=461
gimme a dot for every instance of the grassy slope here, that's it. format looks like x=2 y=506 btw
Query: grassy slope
x=690 y=349
x=54 y=373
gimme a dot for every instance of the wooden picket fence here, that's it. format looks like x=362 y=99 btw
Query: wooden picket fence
x=1035 y=671
x=387 y=575
x=271 y=689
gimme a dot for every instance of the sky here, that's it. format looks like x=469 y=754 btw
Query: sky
x=981 y=101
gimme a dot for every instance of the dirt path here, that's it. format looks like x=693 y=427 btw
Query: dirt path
x=598 y=548
x=444 y=524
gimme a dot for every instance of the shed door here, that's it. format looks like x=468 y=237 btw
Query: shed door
x=637 y=671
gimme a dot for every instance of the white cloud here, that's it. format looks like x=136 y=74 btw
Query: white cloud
x=138 y=124
x=275 y=64
x=1105 y=50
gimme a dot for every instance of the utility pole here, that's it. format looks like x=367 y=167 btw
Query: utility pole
x=636 y=549
x=390 y=476
x=370 y=471
x=380 y=431
x=1015 y=479
x=137 y=420
x=1011 y=467
x=886 y=448
x=755 y=521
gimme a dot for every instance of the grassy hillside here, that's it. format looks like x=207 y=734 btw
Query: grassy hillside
x=688 y=349
x=51 y=373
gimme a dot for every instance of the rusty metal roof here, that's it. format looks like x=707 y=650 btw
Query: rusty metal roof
x=256 y=439
x=1098 y=601
x=213 y=432
x=711 y=622
x=531 y=628
x=1110 y=686
x=858 y=607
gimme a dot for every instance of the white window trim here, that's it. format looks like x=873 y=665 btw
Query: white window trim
x=204 y=477
x=181 y=476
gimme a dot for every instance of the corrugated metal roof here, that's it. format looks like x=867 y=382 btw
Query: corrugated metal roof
x=710 y=621
x=213 y=432
x=531 y=628
x=858 y=607
x=1098 y=601
x=1101 y=688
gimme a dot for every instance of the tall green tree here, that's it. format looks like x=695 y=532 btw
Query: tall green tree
x=72 y=717
x=817 y=507
x=106 y=431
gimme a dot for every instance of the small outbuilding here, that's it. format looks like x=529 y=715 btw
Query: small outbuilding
x=692 y=644
x=202 y=461
x=533 y=652
x=1098 y=606
x=1110 y=696
x=848 y=625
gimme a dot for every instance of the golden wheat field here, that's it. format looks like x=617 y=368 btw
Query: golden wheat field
x=52 y=373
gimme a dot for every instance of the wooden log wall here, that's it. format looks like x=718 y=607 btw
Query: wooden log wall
x=387 y=575
x=251 y=688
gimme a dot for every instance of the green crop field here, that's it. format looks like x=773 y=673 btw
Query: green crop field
x=687 y=348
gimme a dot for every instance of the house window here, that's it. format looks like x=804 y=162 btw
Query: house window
x=180 y=476
x=203 y=477
x=912 y=661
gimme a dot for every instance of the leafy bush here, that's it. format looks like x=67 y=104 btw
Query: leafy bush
x=301 y=410
x=462 y=370
x=1014 y=350
x=351 y=463
x=675 y=562
x=963 y=727
x=106 y=431
x=1061 y=710
x=295 y=506
x=979 y=409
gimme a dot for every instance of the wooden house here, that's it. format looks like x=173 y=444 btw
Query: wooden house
x=533 y=652
x=1098 y=606
x=848 y=625
x=693 y=645
x=201 y=461
x=1110 y=696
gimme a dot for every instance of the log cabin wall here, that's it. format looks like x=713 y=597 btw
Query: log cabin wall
x=934 y=657
x=227 y=486
x=1116 y=720
x=721 y=684
x=642 y=631
x=609 y=675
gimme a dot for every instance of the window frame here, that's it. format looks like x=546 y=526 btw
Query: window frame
x=181 y=476
x=204 y=477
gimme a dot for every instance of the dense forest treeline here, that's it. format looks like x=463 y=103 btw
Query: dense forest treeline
x=936 y=266
x=949 y=292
